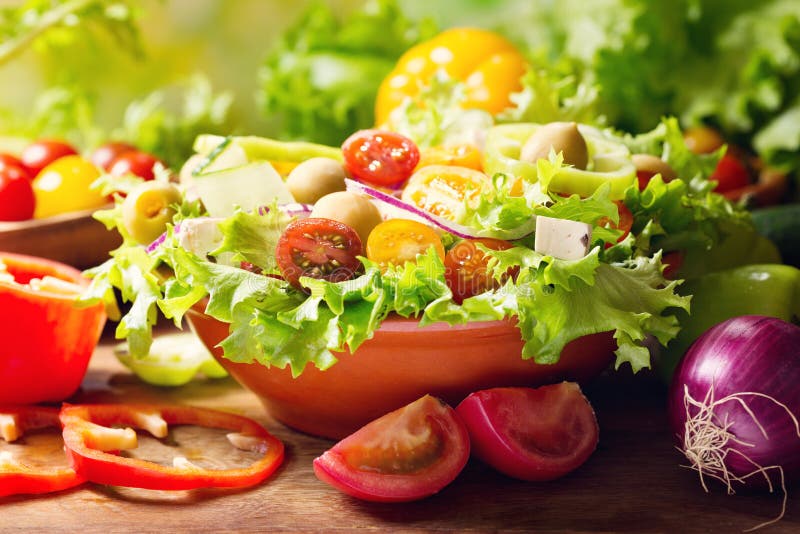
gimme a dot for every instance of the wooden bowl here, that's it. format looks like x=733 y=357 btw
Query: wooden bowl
x=74 y=238
x=398 y=365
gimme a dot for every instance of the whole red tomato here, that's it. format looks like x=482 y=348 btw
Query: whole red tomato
x=47 y=339
x=104 y=155
x=39 y=154
x=17 y=200
x=134 y=162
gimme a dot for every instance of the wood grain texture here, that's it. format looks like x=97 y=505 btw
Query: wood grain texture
x=633 y=482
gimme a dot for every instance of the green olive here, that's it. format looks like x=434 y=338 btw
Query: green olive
x=650 y=165
x=352 y=209
x=561 y=137
x=148 y=208
x=314 y=178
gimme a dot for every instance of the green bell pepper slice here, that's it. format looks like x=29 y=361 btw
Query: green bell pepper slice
x=766 y=289
x=609 y=161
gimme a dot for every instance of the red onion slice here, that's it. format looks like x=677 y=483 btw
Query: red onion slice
x=458 y=230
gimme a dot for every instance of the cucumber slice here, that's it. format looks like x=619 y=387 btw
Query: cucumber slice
x=609 y=161
x=247 y=187
x=174 y=360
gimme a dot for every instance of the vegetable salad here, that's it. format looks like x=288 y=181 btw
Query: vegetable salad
x=446 y=212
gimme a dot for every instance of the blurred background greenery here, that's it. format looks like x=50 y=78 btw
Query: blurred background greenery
x=222 y=39
x=159 y=71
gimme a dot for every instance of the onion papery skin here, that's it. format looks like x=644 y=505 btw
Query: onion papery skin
x=745 y=355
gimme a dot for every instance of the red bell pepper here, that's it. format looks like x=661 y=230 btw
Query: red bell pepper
x=92 y=437
x=16 y=477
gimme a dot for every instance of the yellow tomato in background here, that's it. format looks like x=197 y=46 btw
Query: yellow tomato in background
x=488 y=64
x=63 y=186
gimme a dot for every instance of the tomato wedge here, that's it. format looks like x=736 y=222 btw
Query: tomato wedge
x=406 y=455
x=92 y=434
x=531 y=434
x=17 y=477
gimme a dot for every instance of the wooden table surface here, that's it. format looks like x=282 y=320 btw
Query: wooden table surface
x=633 y=482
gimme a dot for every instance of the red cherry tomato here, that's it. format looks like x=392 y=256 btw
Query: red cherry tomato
x=466 y=268
x=17 y=200
x=730 y=174
x=531 y=434
x=39 y=154
x=380 y=157
x=104 y=155
x=318 y=248
x=134 y=162
x=7 y=160
x=406 y=455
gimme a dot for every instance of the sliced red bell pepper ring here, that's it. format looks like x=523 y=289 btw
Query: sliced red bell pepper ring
x=16 y=477
x=92 y=437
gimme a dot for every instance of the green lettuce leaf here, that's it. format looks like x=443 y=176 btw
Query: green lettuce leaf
x=319 y=82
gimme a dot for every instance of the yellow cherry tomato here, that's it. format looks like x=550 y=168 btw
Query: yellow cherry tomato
x=488 y=64
x=445 y=190
x=397 y=241
x=63 y=186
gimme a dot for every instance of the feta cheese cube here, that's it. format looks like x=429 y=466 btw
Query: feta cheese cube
x=562 y=238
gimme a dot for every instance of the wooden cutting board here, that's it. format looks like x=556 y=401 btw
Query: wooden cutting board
x=633 y=482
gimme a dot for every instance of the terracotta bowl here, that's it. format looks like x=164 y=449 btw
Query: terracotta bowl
x=398 y=365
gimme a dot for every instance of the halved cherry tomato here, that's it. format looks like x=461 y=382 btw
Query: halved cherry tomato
x=17 y=201
x=18 y=476
x=92 y=432
x=466 y=268
x=380 y=157
x=39 y=154
x=318 y=248
x=134 y=162
x=104 y=155
x=445 y=190
x=406 y=455
x=396 y=241
x=624 y=223
x=464 y=155
x=531 y=434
